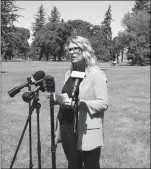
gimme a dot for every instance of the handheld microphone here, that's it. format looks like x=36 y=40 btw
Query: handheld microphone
x=78 y=78
x=30 y=80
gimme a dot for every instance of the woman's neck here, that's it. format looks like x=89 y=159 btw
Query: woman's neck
x=79 y=66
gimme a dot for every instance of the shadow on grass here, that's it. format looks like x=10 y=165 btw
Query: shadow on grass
x=21 y=60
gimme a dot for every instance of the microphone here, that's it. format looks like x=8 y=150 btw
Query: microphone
x=40 y=85
x=28 y=96
x=50 y=83
x=78 y=78
x=30 y=80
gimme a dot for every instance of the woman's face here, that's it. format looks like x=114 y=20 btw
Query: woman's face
x=75 y=52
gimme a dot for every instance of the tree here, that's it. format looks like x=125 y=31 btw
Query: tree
x=122 y=43
x=22 y=49
x=51 y=39
x=8 y=16
x=137 y=28
x=105 y=36
x=54 y=15
x=40 y=20
x=141 y=5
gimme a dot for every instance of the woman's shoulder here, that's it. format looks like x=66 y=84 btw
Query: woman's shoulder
x=98 y=73
x=96 y=70
x=68 y=72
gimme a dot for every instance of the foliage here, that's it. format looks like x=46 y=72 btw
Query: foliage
x=23 y=46
x=141 y=5
x=120 y=42
x=51 y=38
x=54 y=15
x=80 y=28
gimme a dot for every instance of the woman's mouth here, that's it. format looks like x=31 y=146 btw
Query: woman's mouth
x=73 y=58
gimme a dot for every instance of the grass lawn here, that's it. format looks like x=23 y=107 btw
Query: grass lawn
x=126 y=123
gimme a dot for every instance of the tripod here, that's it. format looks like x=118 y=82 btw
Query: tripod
x=34 y=105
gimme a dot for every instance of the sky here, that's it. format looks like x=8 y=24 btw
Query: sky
x=90 y=11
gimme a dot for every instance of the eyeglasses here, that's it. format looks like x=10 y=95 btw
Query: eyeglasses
x=75 y=49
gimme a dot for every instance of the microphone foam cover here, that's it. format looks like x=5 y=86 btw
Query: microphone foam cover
x=38 y=75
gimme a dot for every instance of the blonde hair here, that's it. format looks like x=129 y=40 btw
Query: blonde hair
x=88 y=52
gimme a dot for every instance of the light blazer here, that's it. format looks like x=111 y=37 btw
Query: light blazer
x=93 y=99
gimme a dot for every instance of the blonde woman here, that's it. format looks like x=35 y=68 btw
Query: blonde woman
x=92 y=103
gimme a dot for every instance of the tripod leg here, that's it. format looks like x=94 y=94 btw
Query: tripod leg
x=38 y=143
x=30 y=143
x=22 y=135
x=53 y=146
x=30 y=136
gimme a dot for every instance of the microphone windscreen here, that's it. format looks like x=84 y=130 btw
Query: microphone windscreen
x=38 y=75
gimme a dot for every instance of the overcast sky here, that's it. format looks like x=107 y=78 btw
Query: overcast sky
x=90 y=11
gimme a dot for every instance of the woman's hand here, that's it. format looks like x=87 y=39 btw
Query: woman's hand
x=68 y=103
x=57 y=139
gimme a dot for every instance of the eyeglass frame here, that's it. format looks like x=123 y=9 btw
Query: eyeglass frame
x=74 y=49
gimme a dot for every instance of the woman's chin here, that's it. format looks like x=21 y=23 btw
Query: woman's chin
x=74 y=61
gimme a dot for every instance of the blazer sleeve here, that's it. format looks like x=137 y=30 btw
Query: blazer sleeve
x=99 y=87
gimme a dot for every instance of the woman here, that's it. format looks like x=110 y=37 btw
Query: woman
x=92 y=102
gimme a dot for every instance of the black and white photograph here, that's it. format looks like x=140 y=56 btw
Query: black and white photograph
x=75 y=84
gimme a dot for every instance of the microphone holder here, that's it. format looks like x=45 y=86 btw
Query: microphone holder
x=53 y=146
x=34 y=105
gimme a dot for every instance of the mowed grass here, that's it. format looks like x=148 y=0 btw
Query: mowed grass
x=126 y=122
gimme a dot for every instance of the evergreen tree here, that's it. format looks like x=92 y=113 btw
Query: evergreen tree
x=106 y=34
x=40 y=20
x=54 y=15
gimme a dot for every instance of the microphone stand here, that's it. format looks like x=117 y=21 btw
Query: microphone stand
x=35 y=104
x=53 y=146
